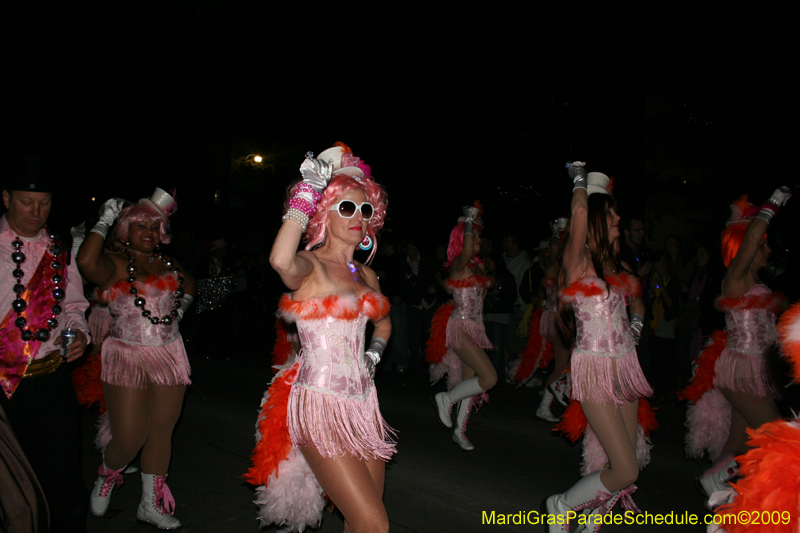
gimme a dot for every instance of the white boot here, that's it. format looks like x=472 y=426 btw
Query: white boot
x=101 y=494
x=157 y=504
x=444 y=400
x=543 y=410
x=583 y=494
x=460 y=434
x=716 y=479
x=560 y=389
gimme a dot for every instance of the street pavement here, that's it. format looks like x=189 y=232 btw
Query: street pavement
x=432 y=486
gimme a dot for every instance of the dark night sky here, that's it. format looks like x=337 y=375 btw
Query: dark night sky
x=446 y=105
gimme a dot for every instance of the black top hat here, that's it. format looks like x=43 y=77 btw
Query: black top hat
x=30 y=173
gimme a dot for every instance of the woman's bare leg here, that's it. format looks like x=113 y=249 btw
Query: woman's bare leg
x=475 y=362
x=610 y=425
x=129 y=412
x=561 y=360
x=748 y=411
x=354 y=486
x=167 y=404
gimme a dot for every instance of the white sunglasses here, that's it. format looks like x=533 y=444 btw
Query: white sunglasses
x=348 y=208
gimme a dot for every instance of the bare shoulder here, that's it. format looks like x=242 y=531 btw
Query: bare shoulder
x=370 y=277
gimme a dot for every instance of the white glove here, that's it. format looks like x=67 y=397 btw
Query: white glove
x=186 y=302
x=109 y=212
x=778 y=199
x=577 y=172
x=78 y=235
x=373 y=355
x=637 y=325
x=315 y=172
x=470 y=213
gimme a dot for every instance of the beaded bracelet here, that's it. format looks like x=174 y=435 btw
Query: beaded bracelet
x=297 y=216
x=305 y=187
x=301 y=204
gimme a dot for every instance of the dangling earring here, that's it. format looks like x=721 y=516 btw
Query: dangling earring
x=366 y=244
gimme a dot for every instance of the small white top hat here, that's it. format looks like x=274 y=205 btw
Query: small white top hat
x=543 y=245
x=597 y=182
x=162 y=201
x=333 y=157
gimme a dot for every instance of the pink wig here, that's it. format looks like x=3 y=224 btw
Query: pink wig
x=456 y=243
x=316 y=233
x=141 y=213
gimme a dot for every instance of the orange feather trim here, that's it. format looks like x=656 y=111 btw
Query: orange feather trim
x=536 y=353
x=435 y=348
x=586 y=287
x=770 y=480
x=275 y=442
x=86 y=380
x=283 y=347
x=774 y=302
x=167 y=282
x=472 y=281
x=703 y=379
x=340 y=306
x=625 y=283
x=647 y=417
x=789 y=337
x=573 y=422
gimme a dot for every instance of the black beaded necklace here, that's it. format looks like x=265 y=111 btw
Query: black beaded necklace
x=19 y=304
x=140 y=302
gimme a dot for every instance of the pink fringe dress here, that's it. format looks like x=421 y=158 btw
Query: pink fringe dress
x=466 y=320
x=750 y=323
x=604 y=364
x=136 y=351
x=333 y=404
x=547 y=326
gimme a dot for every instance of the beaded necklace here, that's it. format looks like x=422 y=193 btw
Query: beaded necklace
x=140 y=302
x=19 y=304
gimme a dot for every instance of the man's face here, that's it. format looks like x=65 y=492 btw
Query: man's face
x=413 y=252
x=510 y=247
x=27 y=211
x=635 y=233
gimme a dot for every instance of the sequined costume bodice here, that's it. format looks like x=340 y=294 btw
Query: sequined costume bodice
x=750 y=320
x=331 y=332
x=129 y=326
x=601 y=318
x=468 y=297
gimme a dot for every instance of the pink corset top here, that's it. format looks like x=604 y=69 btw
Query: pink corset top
x=750 y=319
x=601 y=318
x=551 y=294
x=128 y=325
x=331 y=331
x=468 y=297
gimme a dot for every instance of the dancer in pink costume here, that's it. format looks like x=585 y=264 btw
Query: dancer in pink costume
x=332 y=409
x=741 y=396
x=470 y=371
x=606 y=377
x=144 y=365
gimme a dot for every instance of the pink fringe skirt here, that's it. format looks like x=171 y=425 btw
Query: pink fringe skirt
x=131 y=365
x=99 y=324
x=458 y=328
x=608 y=380
x=337 y=425
x=547 y=324
x=741 y=372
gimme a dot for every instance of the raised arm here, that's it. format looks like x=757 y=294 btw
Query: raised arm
x=284 y=257
x=460 y=263
x=93 y=263
x=574 y=258
x=735 y=281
